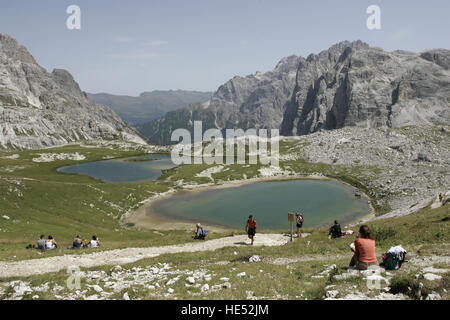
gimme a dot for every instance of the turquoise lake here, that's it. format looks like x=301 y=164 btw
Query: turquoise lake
x=320 y=201
x=124 y=169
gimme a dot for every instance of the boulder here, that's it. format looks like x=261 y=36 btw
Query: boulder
x=431 y=277
x=190 y=280
x=254 y=258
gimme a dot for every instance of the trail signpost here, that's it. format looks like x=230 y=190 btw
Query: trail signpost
x=291 y=220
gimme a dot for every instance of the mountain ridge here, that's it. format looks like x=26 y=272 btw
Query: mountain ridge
x=148 y=105
x=349 y=84
x=41 y=109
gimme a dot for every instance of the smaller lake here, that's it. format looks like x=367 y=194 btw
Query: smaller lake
x=133 y=169
x=321 y=202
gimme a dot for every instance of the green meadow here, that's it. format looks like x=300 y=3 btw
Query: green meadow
x=36 y=199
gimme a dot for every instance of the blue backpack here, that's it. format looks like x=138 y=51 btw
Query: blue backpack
x=204 y=233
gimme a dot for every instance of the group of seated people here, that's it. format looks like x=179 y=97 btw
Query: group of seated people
x=78 y=242
x=46 y=244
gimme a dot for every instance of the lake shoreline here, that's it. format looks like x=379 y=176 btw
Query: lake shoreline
x=141 y=218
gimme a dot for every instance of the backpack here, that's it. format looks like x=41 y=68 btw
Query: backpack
x=204 y=232
x=392 y=261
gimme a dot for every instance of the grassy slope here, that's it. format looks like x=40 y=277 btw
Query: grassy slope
x=39 y=200
x=423 y=233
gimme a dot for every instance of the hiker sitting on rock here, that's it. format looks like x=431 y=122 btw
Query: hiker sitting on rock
x=50 y=244
x=364 y=249
x=199 y=232
x=335 y=230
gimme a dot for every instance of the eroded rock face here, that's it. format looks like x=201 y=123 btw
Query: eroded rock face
x=39 y=109
x=368 y=87
x=350 y=84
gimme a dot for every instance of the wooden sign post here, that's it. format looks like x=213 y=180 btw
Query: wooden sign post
x=291 y=220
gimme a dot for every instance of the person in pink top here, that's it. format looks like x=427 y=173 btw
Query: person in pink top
x=364 y=250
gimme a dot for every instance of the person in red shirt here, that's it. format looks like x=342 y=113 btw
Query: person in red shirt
x=364 y=250
x=250 y=227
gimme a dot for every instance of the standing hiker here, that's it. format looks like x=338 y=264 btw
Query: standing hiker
x=250 y=227
x=299 y=222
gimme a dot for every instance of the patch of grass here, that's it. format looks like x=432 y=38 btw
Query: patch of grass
x=331 y=275
x=315 y=293
x=39 y=200
x=383 y=234
x=405 y=284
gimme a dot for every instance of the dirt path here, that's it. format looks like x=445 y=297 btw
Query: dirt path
x=129 y=255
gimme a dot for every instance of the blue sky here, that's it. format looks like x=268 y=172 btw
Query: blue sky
x=127 y=47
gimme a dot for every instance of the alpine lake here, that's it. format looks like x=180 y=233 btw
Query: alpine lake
x=320 y=201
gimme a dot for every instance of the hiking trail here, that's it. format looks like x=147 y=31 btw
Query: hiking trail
x=123 y=256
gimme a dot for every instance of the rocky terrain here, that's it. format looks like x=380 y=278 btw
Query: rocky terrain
x=148 y=106
x=401 y=169
x=128 y=255
x=40 y=109
x=404 y=168
x=350 y=84
x=370 y=88
x=165 y=280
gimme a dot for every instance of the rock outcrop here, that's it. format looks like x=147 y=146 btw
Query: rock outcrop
x=370 y=88
x=350 y=84
x=39 y=109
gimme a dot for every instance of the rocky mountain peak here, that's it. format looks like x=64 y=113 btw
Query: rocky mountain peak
x=440 y=57
x=349 y=84
x=287 y=64
x=40 y=109
x=14 y=50
x=334 y=53
x=66 y=81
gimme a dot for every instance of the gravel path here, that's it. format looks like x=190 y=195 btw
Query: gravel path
x=129 y=255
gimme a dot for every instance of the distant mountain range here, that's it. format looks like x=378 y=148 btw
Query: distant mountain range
x=350 y=84
x=149 y=106
x=40 y=109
